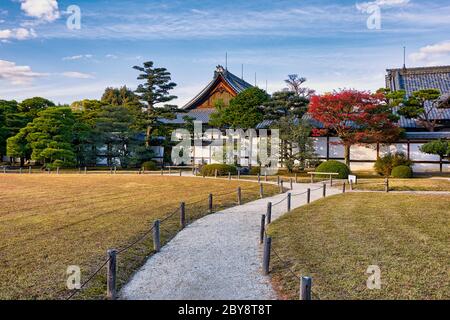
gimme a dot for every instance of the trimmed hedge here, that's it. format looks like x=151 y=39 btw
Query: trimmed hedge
x=384 y=165
x=150 y=166
x=222 y=170
x=333 y=166
x=402 y=172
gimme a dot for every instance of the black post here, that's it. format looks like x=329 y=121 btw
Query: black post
x=289 y=202
x=386 y=185
x=343 y=187
x=308 y=195
x=259 y=178
x=324 y=190
x=111 y=272
x=210 y=203
x=156 y=236
x=261 y=191
x=305 y=288
x=266 y=255
x=262 y=230
x=278 y=180
x=290 y=181
x=281 y=187
x=183 y=215
x=269 y=213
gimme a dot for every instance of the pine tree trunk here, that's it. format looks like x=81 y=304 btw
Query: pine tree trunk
x=347 y=155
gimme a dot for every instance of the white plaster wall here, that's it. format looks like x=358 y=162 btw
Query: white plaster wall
x=336 y=149
x=393 y=148
x=363 y=152
x=417 y=155
x=363 y=166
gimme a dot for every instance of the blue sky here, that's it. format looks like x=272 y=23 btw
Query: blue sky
x=328 y=42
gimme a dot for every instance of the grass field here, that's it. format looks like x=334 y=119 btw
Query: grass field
x=416 y=184
x=334 y=240
x=48 y=222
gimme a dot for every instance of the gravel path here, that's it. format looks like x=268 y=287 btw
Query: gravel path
x=216 y=257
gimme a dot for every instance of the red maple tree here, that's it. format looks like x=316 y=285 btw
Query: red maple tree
x=356 y=117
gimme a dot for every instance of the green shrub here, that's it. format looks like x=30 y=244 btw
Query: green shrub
x=254 y=171
x=222 y=169
x=150 y=166
x=333 y=166
x=385 y=164
x=402 y=172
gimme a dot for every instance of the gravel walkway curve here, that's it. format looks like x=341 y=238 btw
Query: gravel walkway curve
x=217 y=257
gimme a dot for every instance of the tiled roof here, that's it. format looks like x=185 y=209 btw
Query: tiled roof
x=415 y=79
x=236 y=83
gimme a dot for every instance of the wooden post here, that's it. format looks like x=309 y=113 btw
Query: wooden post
x=183 y=215
x=261 y=191
x=386 y=185
x=4 y=169
x=262 y=230
x=20 y=170
x=111 y=272
x=156 y=236
x=281 y=186
x=291 y=182
x=239 y=174
x=57 y=170
x=278 y=180
x=259 y=178
x=343 y=187
x=229 y=175
x=269 y=213
x=266 y=255
x=239 y=196
x=312 y=178
x=115 y=169
x=331 y=180
x=296 y=178
x=324 y=190
x=193 y=171
x=210 y=203
x=215 y=173
x=308 y=195
x=180 y=173
x=289 y=202
x=351 y=185
x=305 y=288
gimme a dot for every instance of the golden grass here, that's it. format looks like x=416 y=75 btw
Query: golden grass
x=416 y=184
x=48 y=222
x=334 y=240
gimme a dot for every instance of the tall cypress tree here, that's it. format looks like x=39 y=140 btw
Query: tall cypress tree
x=155 y=91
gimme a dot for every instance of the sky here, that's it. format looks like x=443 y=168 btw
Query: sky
x=69 y=50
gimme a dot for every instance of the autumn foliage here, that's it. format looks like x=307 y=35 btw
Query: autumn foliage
x=356 y=117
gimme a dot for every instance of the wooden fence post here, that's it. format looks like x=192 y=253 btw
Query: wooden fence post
x=343 y=187
x=183 y=215
x=261 y=191
x=111 y=272
x=278 y=180
x=4 y=169
x=281 y=186
x=291 y=182
x=229 y=175
x=289 y=202
x=215 y=173
x=193 y=171
x=57 y=170
x=115 y=169
x=259 y=178
x=239 y=196
x=351 y=185
x=331 y=180
x=266 y=255
x=324 y=193
x=269 y=213
x=386 y=185
x=308 y=195
x=305 y=288
x=156 y=236
x=210 y=203
x=180 y=173
x=239 y=174
x=312 y=178
x=263 y=228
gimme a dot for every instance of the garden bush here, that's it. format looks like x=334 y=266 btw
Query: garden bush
x=333 y=166
x=150 y=166
x=402 y=172
x=222 y=169
x=385 y=164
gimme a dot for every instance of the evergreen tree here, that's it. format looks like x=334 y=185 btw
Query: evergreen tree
x=155 y=91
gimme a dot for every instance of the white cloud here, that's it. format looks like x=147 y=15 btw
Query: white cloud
x=46 y=10
x=17 y=75
x=78 y=57
x=111 y=56
x=77 y=75
x=18 y=34
x=432 y=53
x=364 y=6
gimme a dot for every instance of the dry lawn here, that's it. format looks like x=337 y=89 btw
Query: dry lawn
x=48 y=222
x=416 y=184
x=334 y=240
